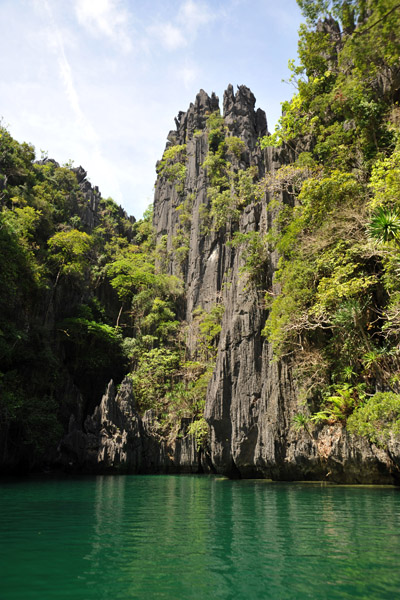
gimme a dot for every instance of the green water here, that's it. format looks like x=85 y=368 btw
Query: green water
x=197 y=538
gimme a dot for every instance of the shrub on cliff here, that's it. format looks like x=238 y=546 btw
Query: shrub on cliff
x=378 y=419
x=335 y=301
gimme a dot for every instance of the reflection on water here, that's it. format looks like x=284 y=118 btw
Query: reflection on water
x=196 y=537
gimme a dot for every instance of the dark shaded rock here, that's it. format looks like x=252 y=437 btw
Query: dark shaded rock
x=241 y=118
x=116 y=439
x=252 y=399
x=80 y=174
x=329 y=26
x=195 y=117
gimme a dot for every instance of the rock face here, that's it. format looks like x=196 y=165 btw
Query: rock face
x=116 y=439
x=89 y=209
x=251 y=399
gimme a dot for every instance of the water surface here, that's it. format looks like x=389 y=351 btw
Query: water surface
x=196 y=537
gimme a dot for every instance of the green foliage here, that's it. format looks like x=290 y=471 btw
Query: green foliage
x=23 y=222
x=334 y=304
x=15 y=164
x=235 y=146
x=172 y=166
x=185 y=212
x=164 y=380
x=377 y=419
x=209 y=325
x=183 y=396
x=223 y=207
x=92 y=347
x=340 y=103
x=338 y=407
x=217 y=168
x=181 y=239
x=270 y=140
x=384 y=225
x=231 y=188
x=57 y=310
x=160 y=320
x=147 y=296
x=347 y=11
x=289 y=315
x=322 y=197
x=216 y=130
x=301 y=421
x=385 y=181
x=131 y=271
x=199 y=429
x=154 y=376
x=69 y=251
x=180 y=244
x=254 y=252
x=19 y=288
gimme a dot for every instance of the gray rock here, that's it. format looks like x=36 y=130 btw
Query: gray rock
x=251 y=399
x=116 y=439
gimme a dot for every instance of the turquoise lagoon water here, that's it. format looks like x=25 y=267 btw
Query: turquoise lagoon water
x=196 y=537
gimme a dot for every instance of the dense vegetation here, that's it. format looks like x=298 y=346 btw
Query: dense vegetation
x=337 y=311
x=58 y=331
x=85 y=291
x=82 y=301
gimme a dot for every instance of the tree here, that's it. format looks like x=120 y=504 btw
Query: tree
x=69 y=251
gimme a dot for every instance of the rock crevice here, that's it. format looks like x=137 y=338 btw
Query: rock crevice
x=251 y=399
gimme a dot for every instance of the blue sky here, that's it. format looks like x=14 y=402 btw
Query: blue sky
x=99 y=82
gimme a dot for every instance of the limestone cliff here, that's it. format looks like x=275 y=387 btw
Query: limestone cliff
x=116 y=439
x=251 y=398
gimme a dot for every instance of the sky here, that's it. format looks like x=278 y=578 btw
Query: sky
x=99 y=82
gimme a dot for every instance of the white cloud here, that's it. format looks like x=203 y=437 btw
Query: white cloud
x=170 y=36
x=105 y=18
x=57 y=45
x=183 y=29
x=192 y=15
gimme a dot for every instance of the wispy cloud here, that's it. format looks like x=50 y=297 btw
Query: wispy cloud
x=193 y=15
x=65 y=72
x=168 y=35
x=105 y=18
x=183 y=29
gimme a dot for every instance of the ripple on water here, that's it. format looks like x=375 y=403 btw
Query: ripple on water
x=196 y=537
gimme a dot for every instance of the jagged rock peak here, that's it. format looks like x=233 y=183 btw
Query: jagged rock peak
x=243 y=100
x=89 y=209
x=240 y=116
x=80 y=173
x=239 y=112
x=195 y=117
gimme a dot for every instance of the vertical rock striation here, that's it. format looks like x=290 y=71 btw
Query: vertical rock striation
x=116 y=439
x=251 y=398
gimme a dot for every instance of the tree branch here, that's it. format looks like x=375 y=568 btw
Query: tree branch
x=378 y=21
